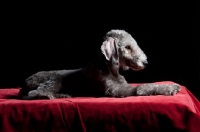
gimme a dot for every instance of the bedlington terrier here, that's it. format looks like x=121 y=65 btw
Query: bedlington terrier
x=100 y=78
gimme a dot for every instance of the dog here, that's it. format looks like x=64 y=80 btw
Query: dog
x=100 y=77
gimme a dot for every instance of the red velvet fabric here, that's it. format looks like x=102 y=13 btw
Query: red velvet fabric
x=89 y=114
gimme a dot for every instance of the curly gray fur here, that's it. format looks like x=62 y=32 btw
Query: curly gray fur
x=100 y=77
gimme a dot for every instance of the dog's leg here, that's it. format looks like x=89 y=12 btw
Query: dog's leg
x=61 y=95
x=157 y=89
x=119 y=89
x=125 y=89
x=37 y=94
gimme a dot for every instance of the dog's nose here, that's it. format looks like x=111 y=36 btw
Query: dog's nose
x=145 y=63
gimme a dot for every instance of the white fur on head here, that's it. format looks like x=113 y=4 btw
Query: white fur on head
x=130 y=54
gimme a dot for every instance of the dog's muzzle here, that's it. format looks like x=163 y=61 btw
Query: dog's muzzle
x=145 y=63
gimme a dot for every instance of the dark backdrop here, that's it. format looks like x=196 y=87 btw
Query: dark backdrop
x=52 y=36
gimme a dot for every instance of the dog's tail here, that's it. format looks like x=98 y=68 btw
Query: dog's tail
x=23 y=92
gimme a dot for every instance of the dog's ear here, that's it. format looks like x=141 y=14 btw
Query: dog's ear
x=109 y=48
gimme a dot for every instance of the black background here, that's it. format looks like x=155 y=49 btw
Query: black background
x=53 y=36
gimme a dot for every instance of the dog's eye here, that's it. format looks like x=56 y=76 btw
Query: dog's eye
x=128 y=47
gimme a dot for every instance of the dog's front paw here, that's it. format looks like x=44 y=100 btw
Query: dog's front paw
x=158 y=89
x=168 y=89
x=172 y=89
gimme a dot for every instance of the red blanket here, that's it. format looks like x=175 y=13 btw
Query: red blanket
x=135 y=114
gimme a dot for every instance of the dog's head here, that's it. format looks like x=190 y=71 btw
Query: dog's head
x=120 y=47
